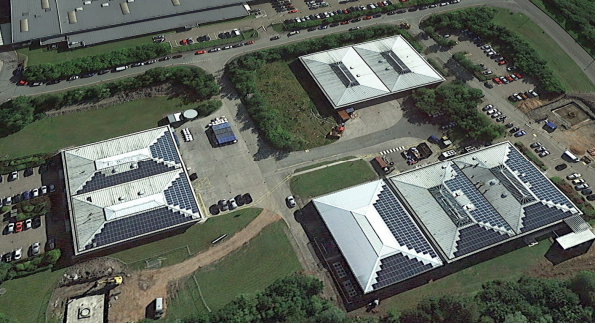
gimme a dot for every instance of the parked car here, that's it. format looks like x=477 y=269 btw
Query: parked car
x=487 y=72
x=591 y=197
x=73 y=77
x=586 y=192
x=103 y=72
x=35 y=193
x=573 y=176
x=177 y=56
x=223 y=205
x=26 y=195
x=536 y=144
x=18 y=254
x=274 y=38
x=581 y=186
x=514 y=130
x=290 y=202
x=232 y=204
x=18 y=227
x=578 y=181
x=544 y=153
x=10 y=228
x=7 y=201
x=508 y=125
x=540 y=149
x=28 y=223
x=561 y=167
x=247 y=198
x=137 y=64
x=533 y=93
x=488 y=85
x=486 y=108
x=520 y=133
x=35 y=248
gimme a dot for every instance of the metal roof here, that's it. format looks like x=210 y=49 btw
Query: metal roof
x=123 y=177
x=48 y=19
x=361 y=72
x=483 y=198
x=365 y=238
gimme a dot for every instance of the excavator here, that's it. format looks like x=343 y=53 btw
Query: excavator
x=114 y=281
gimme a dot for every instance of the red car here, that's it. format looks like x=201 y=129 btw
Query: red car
x=379 y=4
x=183 y=42
x=518 y=75
x=18 y=227
x=345 y=12
x=367 y=18
x=293 y=11
x=250 y=42
x=22 y=83
x=502 y=62
x=509 y=78
x=290 y=7
x=200 y=52
x=497 y=80
x=344 y=22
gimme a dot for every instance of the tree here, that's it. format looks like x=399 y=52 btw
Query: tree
x=52 y=256
x=4 y=270
x=583 y=284
x=445 y=309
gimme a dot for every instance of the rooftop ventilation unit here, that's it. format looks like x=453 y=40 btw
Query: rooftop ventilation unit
x=87 y=2
x=105 y=4
x=134 y=165
x=141 y=193
x=121 y=198
x=72 y=17
x=45 y=4
x=125 y=8
x=175 y=2
x=79 y=9
x=130 y=1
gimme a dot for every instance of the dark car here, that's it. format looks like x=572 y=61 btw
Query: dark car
x=103 y=72
x=514 y=130
x=165 y=58
x=88 y=75
x=28 y=172
x=413 y=9
x=312 y=29
x=53 y=82
x=335 y=25
x=239 y=200
x=248 y=199
x=26 y=195
x=561 y=167
x=238 y=45
x=488 y=85
x=400 y=11
x=274 y=38
x=355 y=20
x=586 y=192
x=391 y=13
x=177 y=56
x=223 y=204
x=508 y=125
x=17 y=199
x=591 y=197
x=377 y=16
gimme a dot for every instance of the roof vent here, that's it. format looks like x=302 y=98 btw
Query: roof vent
x=358 y=75
x=113 y=170
x=175 y=2
x=125 y=8
x=87 y=2
x=130 y=1
x=105 y=4
x=133 y=166
x=493 y=182
x=387 y=69
x=523 y=174
x=141 y=193
x=37 y=15
x=89 y=199
x=84 y=313
x=45 y=4
x=504 y=194
x=474 y=157
x=79 y=9
x=72 y=17
x=121 y=198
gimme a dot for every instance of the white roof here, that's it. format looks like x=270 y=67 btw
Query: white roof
x=121 y=177
x=380 y=67
x=573 y=239
x=361 y=233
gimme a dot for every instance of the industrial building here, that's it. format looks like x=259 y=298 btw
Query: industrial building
x=365 y=71
x=88 y=22
x=394 y=229
x=126 y=188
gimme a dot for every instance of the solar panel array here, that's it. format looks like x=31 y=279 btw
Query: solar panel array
x=475 y=237
x=165 y=149
x=139 y=224
x=398 y=267
x=516 y=189
x=104 y=179
x=538 y=215
x=400 y=224
x=344 y=74
x=484 y=212
x=541 y=186
x=180 y=194
x=223 y=133
x=395 y=62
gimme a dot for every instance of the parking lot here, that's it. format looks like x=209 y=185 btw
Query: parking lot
x=222 y=172
x=9 y=242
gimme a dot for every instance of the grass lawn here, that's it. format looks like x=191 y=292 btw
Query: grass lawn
x=42 y=55
x=332 y=178
x=267 y=257
x=298 y=114
x=26 y=298
x=509 y=266
x=564 y=68
x=50 y=134
x=198 y=237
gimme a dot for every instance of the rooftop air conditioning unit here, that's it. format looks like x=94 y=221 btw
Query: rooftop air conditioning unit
x=130 y=0
x=79 y=9
x=87 y=2
x=141 y=193
x=105 y=4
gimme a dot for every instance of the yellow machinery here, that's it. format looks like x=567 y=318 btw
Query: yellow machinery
x=404 y=25
x=110 y=281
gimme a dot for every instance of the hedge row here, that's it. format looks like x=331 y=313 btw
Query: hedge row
x=29 y=266
x=511 y=45
x=531 y=156
x=242 y=72
x=50 y=71
x=16 y=114
x=10 y=165
x=587 y=209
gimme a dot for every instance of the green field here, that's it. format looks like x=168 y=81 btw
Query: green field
x=509 y=266
x=326 y=180
x=255 y=266
x=50 y=134
x=198 y=238
x=42 y=55
x=563 y=66
x=26 y=298
x=295 y=109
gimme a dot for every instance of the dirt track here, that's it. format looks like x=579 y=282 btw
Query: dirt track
x=142 y=287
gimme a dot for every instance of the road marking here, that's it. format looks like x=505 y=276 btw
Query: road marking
x=399 y=148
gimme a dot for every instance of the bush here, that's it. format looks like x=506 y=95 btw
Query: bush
x=49 y=71
x=208 y=107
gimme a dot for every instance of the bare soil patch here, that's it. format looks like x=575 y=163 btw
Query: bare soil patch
x=566 y=269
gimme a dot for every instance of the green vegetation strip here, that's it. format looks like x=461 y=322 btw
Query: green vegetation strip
x=216 y=42
x=316 y=165
x=267 y=257
x=438 y=67
x=531 y=156
x=579 y=200
x=26 y=298
x=198 y=237
x=510 y=266
x=333 y=178
x=563 y=67
x=51 y=134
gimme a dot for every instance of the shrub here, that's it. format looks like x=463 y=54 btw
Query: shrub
x=208 y=107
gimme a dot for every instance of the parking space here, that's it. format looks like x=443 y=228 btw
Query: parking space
x=20 y=185
x=9 y=242
x=222 y=172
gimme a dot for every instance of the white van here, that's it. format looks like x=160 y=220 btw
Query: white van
x=121 y=68
x=571 y=156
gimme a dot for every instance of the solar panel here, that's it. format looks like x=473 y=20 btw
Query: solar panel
x=540 y=186
x=400 y=224
x=538 y=215
x=223 y=133
x=475 y=237
x=398 y=267
x=509 y=181
x=180 y=194
x=395 y=62
x=165 y=149
x=135 y=225
x=483 y=212
x=104 y=178
x=344 y=74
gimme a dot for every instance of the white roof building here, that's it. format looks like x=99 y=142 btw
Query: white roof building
x=127 y=187
x=357 y=73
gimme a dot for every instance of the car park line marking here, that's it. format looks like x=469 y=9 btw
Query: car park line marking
x=202 y=183
x=400 y=148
